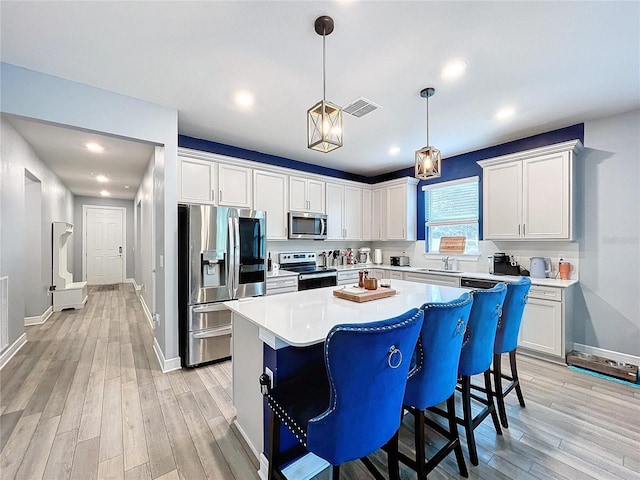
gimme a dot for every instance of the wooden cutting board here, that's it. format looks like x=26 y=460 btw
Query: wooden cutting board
x=366 y=296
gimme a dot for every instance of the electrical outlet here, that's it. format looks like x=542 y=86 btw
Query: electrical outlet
x=269 y=373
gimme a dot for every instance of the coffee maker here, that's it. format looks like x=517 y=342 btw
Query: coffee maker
x=504 y=265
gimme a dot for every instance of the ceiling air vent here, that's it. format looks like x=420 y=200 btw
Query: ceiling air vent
x=360 y=107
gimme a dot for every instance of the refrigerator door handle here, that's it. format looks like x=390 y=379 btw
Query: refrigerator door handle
x=217 y=332
x=231 y=268
x=210 y=308
x=236 y=253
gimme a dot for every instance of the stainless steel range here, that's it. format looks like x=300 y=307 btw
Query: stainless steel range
x=310 y=275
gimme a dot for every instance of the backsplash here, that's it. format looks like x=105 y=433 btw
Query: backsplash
x=521 y=251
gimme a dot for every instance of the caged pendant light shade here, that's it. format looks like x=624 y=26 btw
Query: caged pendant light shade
x=324 y=119
x=428 y=159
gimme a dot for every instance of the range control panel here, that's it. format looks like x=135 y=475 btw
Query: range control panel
x=297 y=257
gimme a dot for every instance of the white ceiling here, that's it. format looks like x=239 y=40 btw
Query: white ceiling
x=558 y=63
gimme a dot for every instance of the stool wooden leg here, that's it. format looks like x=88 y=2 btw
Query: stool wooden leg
x=393 y=461
x=499 y=392
x=514 y=374
x=490 y=403
x=418 y=427
x=468 y=419
x=453 y=429
x=274 y=445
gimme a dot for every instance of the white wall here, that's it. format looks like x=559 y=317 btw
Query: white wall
x=56 y=205
x=609 y=229
x=144 y=242
x=43 y=97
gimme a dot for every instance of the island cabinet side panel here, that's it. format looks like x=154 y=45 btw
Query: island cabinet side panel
x=287 y=364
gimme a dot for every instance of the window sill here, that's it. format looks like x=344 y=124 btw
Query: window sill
x=467 y=257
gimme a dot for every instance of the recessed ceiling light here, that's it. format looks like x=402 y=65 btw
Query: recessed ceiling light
x=126 y=187
x=505 y=113
x=394 y=150
x=94 y=147
x=104 y=193
x=453 y=69
x=102 y=178
x=244 y=99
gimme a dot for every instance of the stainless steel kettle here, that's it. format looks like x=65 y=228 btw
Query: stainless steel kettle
x=540 y=267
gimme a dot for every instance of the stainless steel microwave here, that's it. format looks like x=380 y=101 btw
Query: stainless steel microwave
x=305 y=225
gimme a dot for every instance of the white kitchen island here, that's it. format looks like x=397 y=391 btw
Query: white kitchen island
x=284 y=333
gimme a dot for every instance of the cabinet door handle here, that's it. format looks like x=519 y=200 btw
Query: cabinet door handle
x=213 y=195
x=220 y=196
x=524 y=229
x=518 y=229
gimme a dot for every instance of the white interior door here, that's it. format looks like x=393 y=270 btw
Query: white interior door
x=105 y=245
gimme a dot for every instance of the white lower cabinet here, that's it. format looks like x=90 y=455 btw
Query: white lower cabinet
x=434 y=279
x=544 y=327
x=276 y=285
x=394 y=275
x=348 y=277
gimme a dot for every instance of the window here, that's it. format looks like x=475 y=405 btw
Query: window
x=451 y=210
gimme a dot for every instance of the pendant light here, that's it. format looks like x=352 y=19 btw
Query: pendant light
x=324 y=119
x=428 y=158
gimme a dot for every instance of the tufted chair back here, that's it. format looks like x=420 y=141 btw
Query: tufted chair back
x=367 y=365
x=477 y=346
x=434 y=377
x=512 y=309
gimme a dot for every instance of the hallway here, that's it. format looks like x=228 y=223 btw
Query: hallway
x=85 y=399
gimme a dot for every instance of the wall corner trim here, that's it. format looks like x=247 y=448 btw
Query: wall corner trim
x=166 y=364
x=12 y=350
x=38 y=319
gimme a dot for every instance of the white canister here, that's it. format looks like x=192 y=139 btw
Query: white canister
x=377 y=256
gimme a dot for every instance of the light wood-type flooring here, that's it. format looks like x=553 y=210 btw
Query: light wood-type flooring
x=85 y=399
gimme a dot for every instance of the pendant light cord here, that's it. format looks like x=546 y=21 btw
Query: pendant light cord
x=324 y=81
x=428 y=121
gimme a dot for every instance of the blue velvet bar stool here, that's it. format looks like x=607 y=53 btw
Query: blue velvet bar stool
x=476 y=357
x=507 y=341
x=353 y=406
x=433 y=380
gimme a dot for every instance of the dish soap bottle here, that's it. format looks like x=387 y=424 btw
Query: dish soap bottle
x=269 y=263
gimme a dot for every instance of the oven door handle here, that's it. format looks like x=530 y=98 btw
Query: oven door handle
x=311 y=276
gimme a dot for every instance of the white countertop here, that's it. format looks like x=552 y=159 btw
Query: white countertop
x=546 y=282
x=306 y=317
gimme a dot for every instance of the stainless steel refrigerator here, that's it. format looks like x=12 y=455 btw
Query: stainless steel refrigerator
x=221 y=256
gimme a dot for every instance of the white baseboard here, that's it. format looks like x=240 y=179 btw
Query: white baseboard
x=610 y=354
x=38 y=319
x=12 y=350
x=133 y=282
x=263 y=473
x=246 y=439
x=147 y=312
x=166 y=365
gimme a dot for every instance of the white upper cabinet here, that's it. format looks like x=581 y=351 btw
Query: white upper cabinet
x=197 y=180
x=367 y=217
x=306 y=195
x=270 y=195
x=344 y=212
x=400 y=210
x=377 y=214
x=235 y=186
x=529 y=195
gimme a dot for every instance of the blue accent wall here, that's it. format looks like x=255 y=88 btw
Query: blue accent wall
x=237 y=152
x=453 y=168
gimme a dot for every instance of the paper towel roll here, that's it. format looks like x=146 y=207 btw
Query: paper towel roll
x=377 y=256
